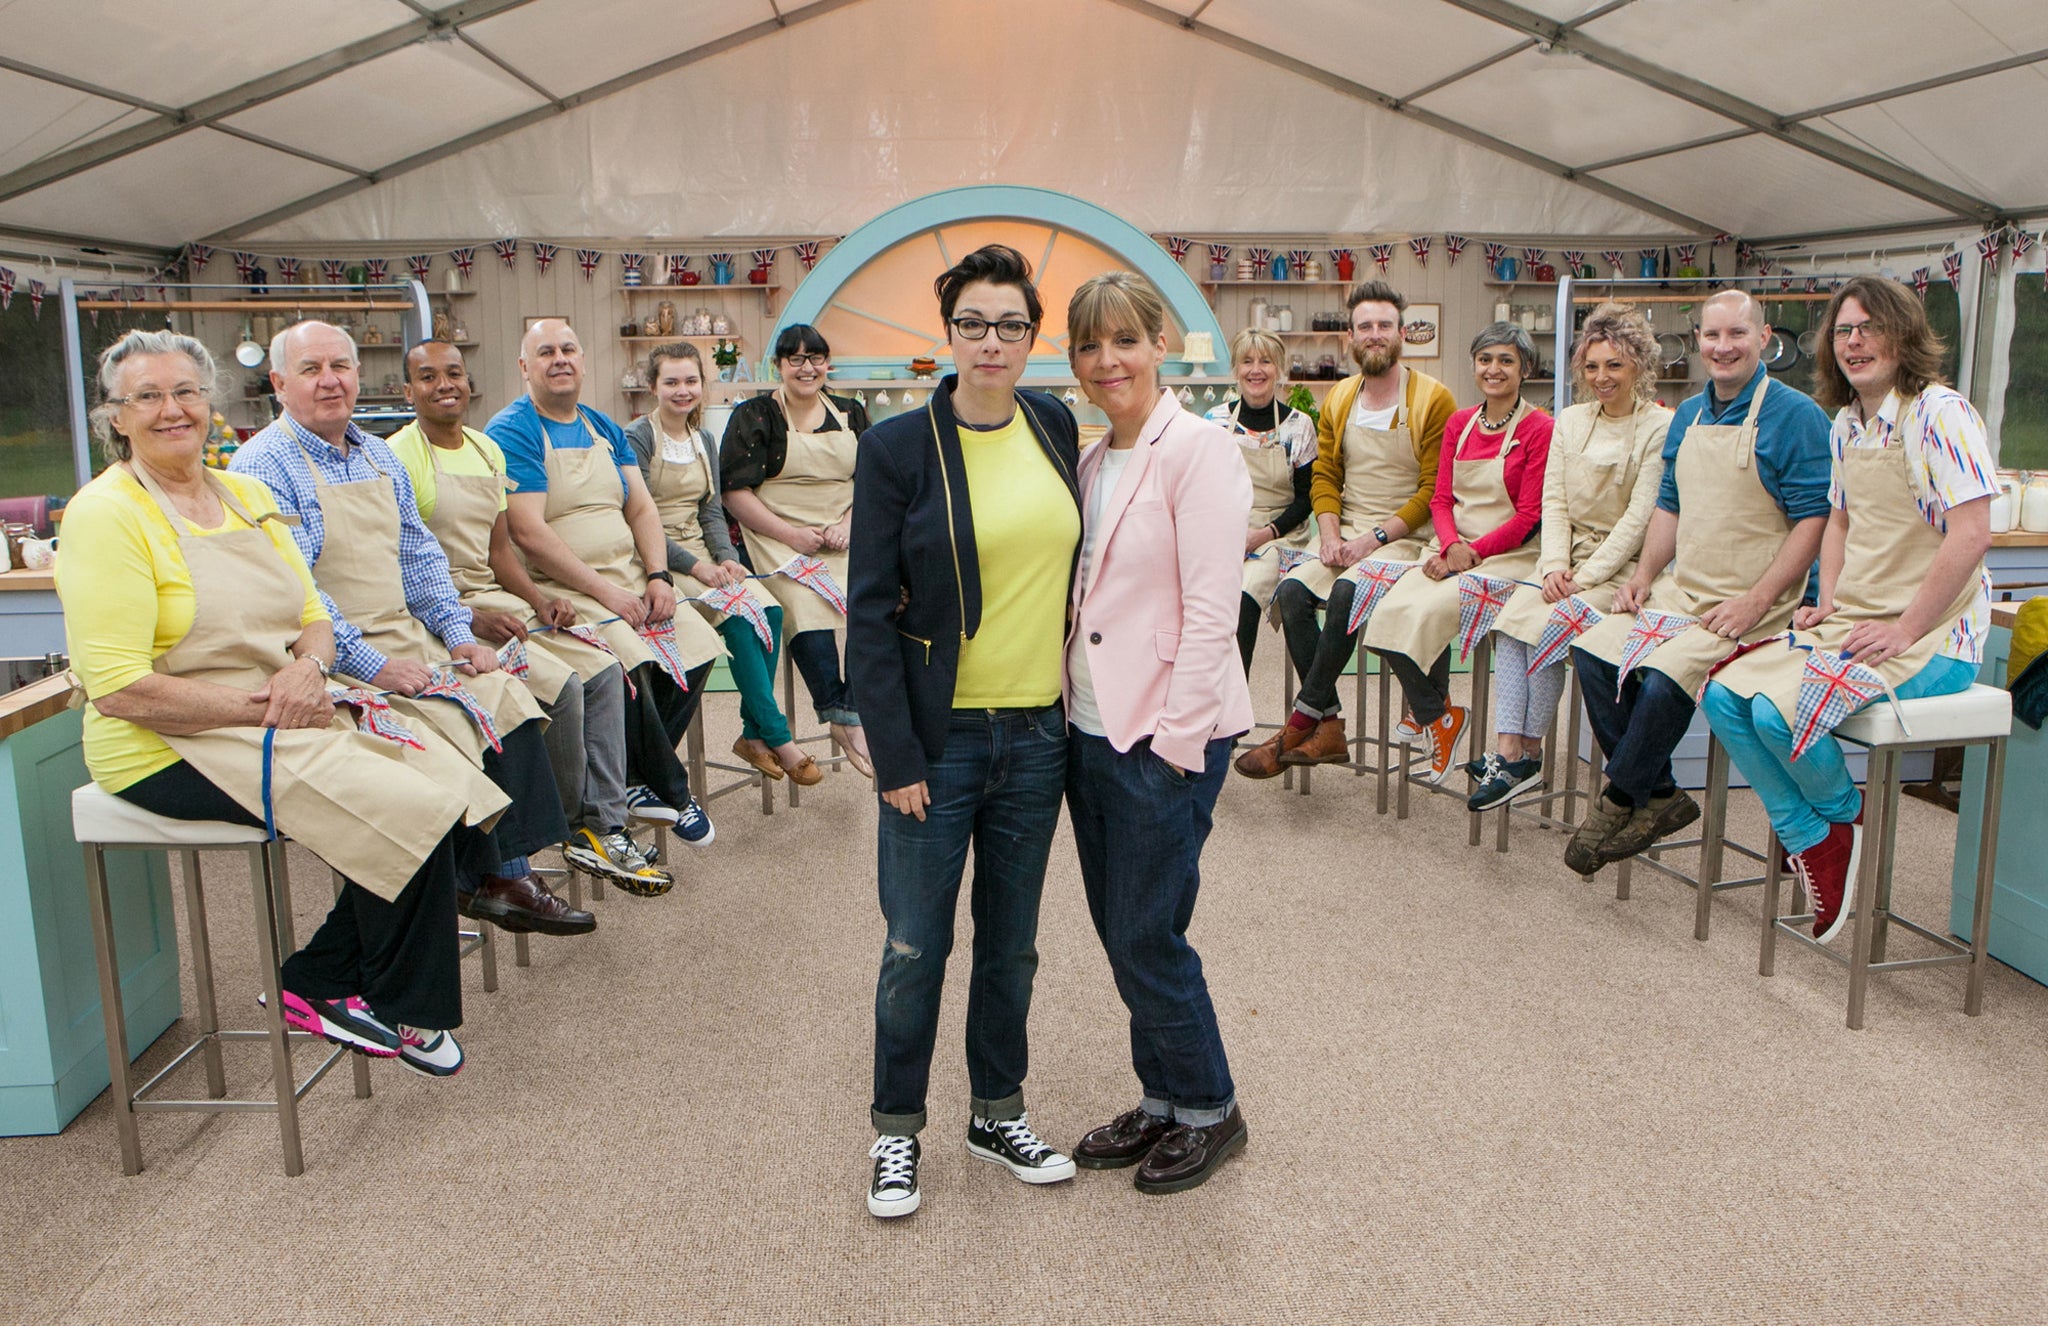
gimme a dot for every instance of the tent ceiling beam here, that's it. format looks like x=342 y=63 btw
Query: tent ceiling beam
x=1868 y=164
x=98 y=248
x=1924 y=85
x=1385 y=101
x=491 y=132
x=171 y=122
x=1460 y=75
x=80 y=85
x=1667 y=149
x=290 y=151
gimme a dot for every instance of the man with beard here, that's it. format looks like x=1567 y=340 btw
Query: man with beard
x=1375 y=472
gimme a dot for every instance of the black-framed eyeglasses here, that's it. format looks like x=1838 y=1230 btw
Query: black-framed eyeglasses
x=807 y=361
x=974 y=329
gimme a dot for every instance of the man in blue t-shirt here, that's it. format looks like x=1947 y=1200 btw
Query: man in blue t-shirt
x=550 y=416
x=1640 y=721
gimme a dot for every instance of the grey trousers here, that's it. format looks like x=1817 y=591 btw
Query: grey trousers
x=586 y=740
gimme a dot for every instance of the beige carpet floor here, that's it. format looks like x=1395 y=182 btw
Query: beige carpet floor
x=1479 y=1089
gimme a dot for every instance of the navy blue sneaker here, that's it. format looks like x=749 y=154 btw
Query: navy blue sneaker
x=693 y=826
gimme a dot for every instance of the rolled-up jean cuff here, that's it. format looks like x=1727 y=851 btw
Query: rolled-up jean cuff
x=845 y=717
x=896 y=1125
x=1155 y=1107
x=1204 y=1118
x=999 y=1111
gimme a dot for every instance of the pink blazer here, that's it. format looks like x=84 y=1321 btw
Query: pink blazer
x=1158 y=613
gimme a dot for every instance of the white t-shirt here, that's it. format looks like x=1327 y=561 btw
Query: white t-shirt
x=1081 y=710
x=1381 y=419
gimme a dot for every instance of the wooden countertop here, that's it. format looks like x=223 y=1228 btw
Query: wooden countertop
x=30 y=705
x=20 y=581
x=2019 y=538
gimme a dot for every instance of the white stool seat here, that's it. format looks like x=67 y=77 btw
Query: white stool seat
x=98 y=816
x=1978 y=714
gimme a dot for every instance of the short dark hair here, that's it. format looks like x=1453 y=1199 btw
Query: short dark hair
x=1375 y=292
x=432 y=340
x=801 y=338
x=997 y=264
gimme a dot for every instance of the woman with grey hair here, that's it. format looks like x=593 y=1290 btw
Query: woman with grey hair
x=1599 y=486
x=1483 y=516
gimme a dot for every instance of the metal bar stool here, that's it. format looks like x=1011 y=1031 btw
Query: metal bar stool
x=1369 y=752
x=1475 y=743
x=1980 y=716
x=1713 y=845
x=1537 y=807
x=102 y=823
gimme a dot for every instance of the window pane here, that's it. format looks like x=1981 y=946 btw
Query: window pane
x=2023 y=438
x=35 y=418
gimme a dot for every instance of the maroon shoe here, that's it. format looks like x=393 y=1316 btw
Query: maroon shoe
x=1827 y=870
x=525 y=904
x=1124 y=1140
x=1187 y=1155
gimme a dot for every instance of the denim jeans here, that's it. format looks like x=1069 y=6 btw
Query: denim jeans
x=1637 y=732
x=996 y=786
x=816 y=655
x=1139 y=826
x=1804 y=796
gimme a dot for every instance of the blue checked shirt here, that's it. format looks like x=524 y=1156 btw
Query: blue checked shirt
x=277 y=456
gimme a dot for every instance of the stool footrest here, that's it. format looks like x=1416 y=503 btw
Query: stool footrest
x=139 y=1102
x=1956 y=951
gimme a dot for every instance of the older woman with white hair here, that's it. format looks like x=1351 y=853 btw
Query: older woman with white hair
x=1279 y=447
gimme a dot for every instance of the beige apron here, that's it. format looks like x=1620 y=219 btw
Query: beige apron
x=677 y=488
x=1380 y=474
x=1735 y=531
x=586 y=508
x=358 y=568
x=1271 y=467
x=1886 y=557
x=465 y=512
x=813 y=490
x=368 y=807
x=1419 y=616
x=1597 y=488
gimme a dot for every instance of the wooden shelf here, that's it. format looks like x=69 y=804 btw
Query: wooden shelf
x=734 y=337
x=400 y=345
x=768 y=288
x=1246 y=285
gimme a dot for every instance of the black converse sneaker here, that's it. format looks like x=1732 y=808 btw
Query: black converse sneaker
x=893 y=1191
x=1011 y=1144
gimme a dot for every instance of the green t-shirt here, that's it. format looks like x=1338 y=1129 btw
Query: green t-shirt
x=480 y=456
x=1025 y=531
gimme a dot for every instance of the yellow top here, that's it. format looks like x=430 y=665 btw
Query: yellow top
x=1025 y=530
x=128 y=599
x=412 y=447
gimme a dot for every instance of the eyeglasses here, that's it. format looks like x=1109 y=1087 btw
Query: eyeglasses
x=807 y=361
x=974 y=329
x=153 y=399
x=1844 y=330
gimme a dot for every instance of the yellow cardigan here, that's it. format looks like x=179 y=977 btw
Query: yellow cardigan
x=1430 y=405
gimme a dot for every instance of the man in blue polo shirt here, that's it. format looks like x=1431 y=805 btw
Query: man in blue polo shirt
x=543 y=434
x=1749 y=457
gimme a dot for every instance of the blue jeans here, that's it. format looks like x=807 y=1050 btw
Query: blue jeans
x=995 y=786
x=816 y=655
x=1803 y=797
x=1638 y=731
x=1139 y=826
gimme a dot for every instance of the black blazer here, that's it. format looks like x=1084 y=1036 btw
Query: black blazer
x=916 y=584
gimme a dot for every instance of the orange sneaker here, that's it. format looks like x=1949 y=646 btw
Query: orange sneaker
x=1443 y=742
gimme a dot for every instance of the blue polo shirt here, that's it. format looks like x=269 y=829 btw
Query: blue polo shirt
x=517 y=430
x=1792 y=457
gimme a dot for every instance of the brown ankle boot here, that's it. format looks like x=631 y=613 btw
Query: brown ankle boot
x=1325 y=746
x=1262 y=760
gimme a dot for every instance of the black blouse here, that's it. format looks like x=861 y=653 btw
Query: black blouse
x=757 y=438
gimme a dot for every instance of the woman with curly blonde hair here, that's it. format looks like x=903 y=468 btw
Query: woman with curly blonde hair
x=1599 y=486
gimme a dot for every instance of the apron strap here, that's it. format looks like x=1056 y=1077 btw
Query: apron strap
x=269 y=760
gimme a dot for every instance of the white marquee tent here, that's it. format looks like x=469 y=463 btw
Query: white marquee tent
x=151 y=123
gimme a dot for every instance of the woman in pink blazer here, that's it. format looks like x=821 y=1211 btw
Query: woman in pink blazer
x=1155 y=693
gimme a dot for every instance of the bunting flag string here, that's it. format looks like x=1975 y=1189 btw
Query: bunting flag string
x=1990 y=248
x=1261 y=258
x=1575 y=260
x=1381 y=254
x=378 y=270
x=1687 y=253
x=1613 y=258
x=513 y=658
x=764 y=260
x=1812 y=285
x=197 y=256
x=1453 y=246
x=807 y=253
x=1219 y=253
x=1784 y=278
x=1831 y=688
x=6 y=288
x=1952 y=267
x=662 y=640
x=334 y=270
x=420 y=265
x=1570 y=618
x=1480 y=599
x=814 y=575
x=447 y=686
x=678 y=263
x=374 y=716
x=464 y=259
x=1723 y=237
x=1534 y=258
x=507 y=251
x=1494 y=253
x=2023 y=242
x=593 y=637
x=1336 y=255
x=1298 y=260
x=543 y=255
x=1650 y=254
x=288 y=271
x=1178 y=246
x=36 y=292
x=735 y=601
x=1375 y=578
x=632 y=268
x=1922 y=278
x=245 y=267
x=588 y=259
x=1745 y=252
x=1419 y=246
x=1652 y=628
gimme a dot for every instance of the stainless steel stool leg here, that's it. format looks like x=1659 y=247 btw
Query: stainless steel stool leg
x=286 y=943
x=1475 y=718
x=789 y=708
x=1881 y=921
x=522 y=952
x=1571 y=752
x=202 y=976
x=1712 y=832
x=1384 y=727
x=111 y=1011
x=1286 y=707
x=487 y=954
x=360 y=1066
x=266 y=872
x=1622 y=873
x=1767 y=954
x=1877 y=829
x=1987 y=871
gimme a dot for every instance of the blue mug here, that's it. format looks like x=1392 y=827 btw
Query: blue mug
x=1508 y=269
x=1279 y=267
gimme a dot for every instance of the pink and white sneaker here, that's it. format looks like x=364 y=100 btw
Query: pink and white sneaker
x=434 y=1053
x=346 y=1022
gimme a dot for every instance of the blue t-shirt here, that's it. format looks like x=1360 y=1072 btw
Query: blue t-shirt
x=517 y=431
x=1792 y=457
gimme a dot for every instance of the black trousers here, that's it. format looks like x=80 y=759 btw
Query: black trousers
x=1428 y=693
x=400 y=956
x=1319 y=650
x=522 y=771
x=656 y=720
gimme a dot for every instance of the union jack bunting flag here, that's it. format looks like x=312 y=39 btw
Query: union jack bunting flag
x=507 y=251
x=1570 y=618
x=1263 y=257
x=814 y=575
x=591 y=636
x=588 y=259
x=1812 y=284
x=2023 y=242
x=1784 y=278
x=1922 y=278
x=1219 y=253
x=1419 y=246
x=764 y=259
x=513 y=658
x=543 y=255
x=631 y=265
x=288 y=270
x=662 y=640
x=735 y=601
x=718 y=259
x=1612 y=257
x=807 y=253
x=1494 y=253
x=6 y=288
x=446 y=686
x=1375 y=578
x=1178 y=246
x=1298 y=260
x=1480 y=599
x=1830 y=689
x=1336 y=255
x=374 y=716
x=420 y=264
x=1744 y=253
x=1651 y=254
x=464 y=259
x=1952 y=267
x=36 y=292
x=197 y=256
x=1534 y=257
x=377 y=269
x=1990 y=247
x=245 y=267
x=1453 y=246
x=1574 y=259
x=1686 y=253
x=334 y=269
x=1652 y=628
x=1382 y=254
x=1293 y=557
x=678 y=263
x=1724 y=238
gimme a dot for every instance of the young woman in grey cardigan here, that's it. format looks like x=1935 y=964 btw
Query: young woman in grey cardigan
x=680 y=462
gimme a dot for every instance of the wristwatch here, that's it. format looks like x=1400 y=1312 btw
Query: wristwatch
x=664 y=577
x=1381 y=535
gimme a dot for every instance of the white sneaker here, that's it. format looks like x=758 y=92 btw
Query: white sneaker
x=893 y=1190
x=642 y=804
x=1408 y=729
x=616 y=857
x=1011 y=1144
x=434 y=1053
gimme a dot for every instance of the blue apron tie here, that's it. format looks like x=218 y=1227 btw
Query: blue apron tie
x=269 y=755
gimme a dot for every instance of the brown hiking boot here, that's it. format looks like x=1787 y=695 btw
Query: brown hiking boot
x=1650 y=824
x=1583 y=852
x=1326 y=745
x=1262 y=760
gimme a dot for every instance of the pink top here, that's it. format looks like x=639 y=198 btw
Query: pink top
x=1522 y=471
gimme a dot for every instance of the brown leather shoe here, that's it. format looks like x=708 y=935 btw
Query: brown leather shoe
x=807 y=774
x=1186 y=1156
x=525 y=904
x=1122 y=1141
x=1326 y=745
x=757 y=753
x=1262 y=760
